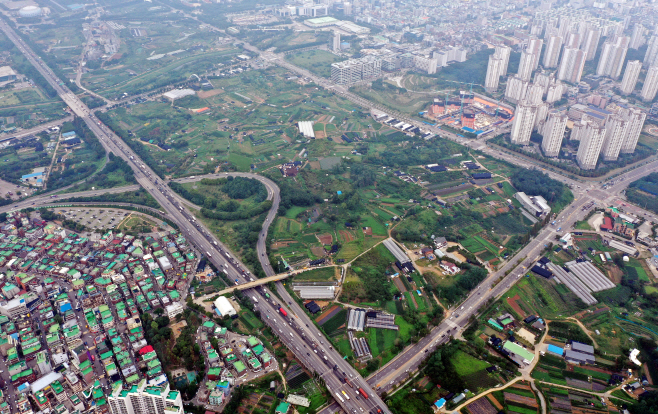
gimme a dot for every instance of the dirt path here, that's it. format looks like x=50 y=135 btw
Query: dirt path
x=587 y=331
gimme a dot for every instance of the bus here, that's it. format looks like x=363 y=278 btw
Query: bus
x=340 y=398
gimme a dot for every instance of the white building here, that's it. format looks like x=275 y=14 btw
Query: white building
x=553 y=132
x=650 y=86
x=590 y=42
x=494 y=69
x=526 y=65
x=635 y=119
x=615 y=131
x=652 y=51
x=503 y=52
x=572 y=65
x=612 y=57
x=555 y=92
x=516 y=89
x=552 y=53
x=336 y=45
x=637 y=38
x=631 y=74
x=590 y=146
x=173 y=310
x=224 y=307
x=535 y=46
x=355 y=70
x=534 y=94
x=144 y=399
x=425 y=64
x=523 y=123
x=13 y=308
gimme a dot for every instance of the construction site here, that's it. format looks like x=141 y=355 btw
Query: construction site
x=470 y=112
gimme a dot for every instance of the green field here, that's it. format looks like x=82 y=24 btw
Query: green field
x=317 y=275
x=465 y=364
x=316 y=61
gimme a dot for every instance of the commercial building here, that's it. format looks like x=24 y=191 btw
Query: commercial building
x=336 y=44
x=553 y=133
x=650 y=86
x=536 y=205
x=572 y=65
x=355 y=70
x=590 y=146
x=612 y=57
x=523 y=123
x=631 y=74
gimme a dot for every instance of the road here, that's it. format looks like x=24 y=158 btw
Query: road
x=296 y=330
x=291 y=333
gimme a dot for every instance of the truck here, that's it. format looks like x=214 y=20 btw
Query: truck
x=340 y=397
x=345 y=394
x=255 y=299
x=362 y=392
x=283 y=312
x=208 y=254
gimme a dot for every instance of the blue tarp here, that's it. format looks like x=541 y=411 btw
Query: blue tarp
x=440 y=403
x=555 y=350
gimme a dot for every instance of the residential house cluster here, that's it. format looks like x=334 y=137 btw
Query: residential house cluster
x=69 y=317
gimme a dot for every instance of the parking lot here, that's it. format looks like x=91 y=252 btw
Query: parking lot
x=104 y=218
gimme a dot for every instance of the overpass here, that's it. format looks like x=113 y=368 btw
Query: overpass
x=255 y=283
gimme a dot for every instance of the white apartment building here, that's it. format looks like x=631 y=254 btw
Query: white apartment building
x=612 y=57
x=526 y=65
x=555 y=92
x=553 y=133
x=534 y=47
x=516 y=89
x=635 y=119
x=590 y=146
x=552 y=53
x=503 y=52
x=535 y=94
x=650 y=86
x=523 y=123
x=652 y=52
x=590 y=42
x=637 y=38
x=143 y=399
x=494 y=68
x=631 y=75
x=572 y=65
x=615 y=132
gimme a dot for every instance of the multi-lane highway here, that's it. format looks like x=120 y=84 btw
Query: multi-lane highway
x=293 y=326
x=341 y=379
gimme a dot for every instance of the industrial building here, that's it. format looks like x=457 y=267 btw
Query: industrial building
x=572 y=283
x=356 y=70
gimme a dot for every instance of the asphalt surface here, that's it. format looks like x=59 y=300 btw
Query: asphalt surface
x=288 y=328
x=296 y=330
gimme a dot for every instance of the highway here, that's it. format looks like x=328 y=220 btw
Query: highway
x=339 y=381
x=296 y=329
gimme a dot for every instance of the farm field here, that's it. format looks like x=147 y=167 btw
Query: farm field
x=316 y=61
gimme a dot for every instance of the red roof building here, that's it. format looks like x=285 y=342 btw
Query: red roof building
x=607 y=224
x=146 y=350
